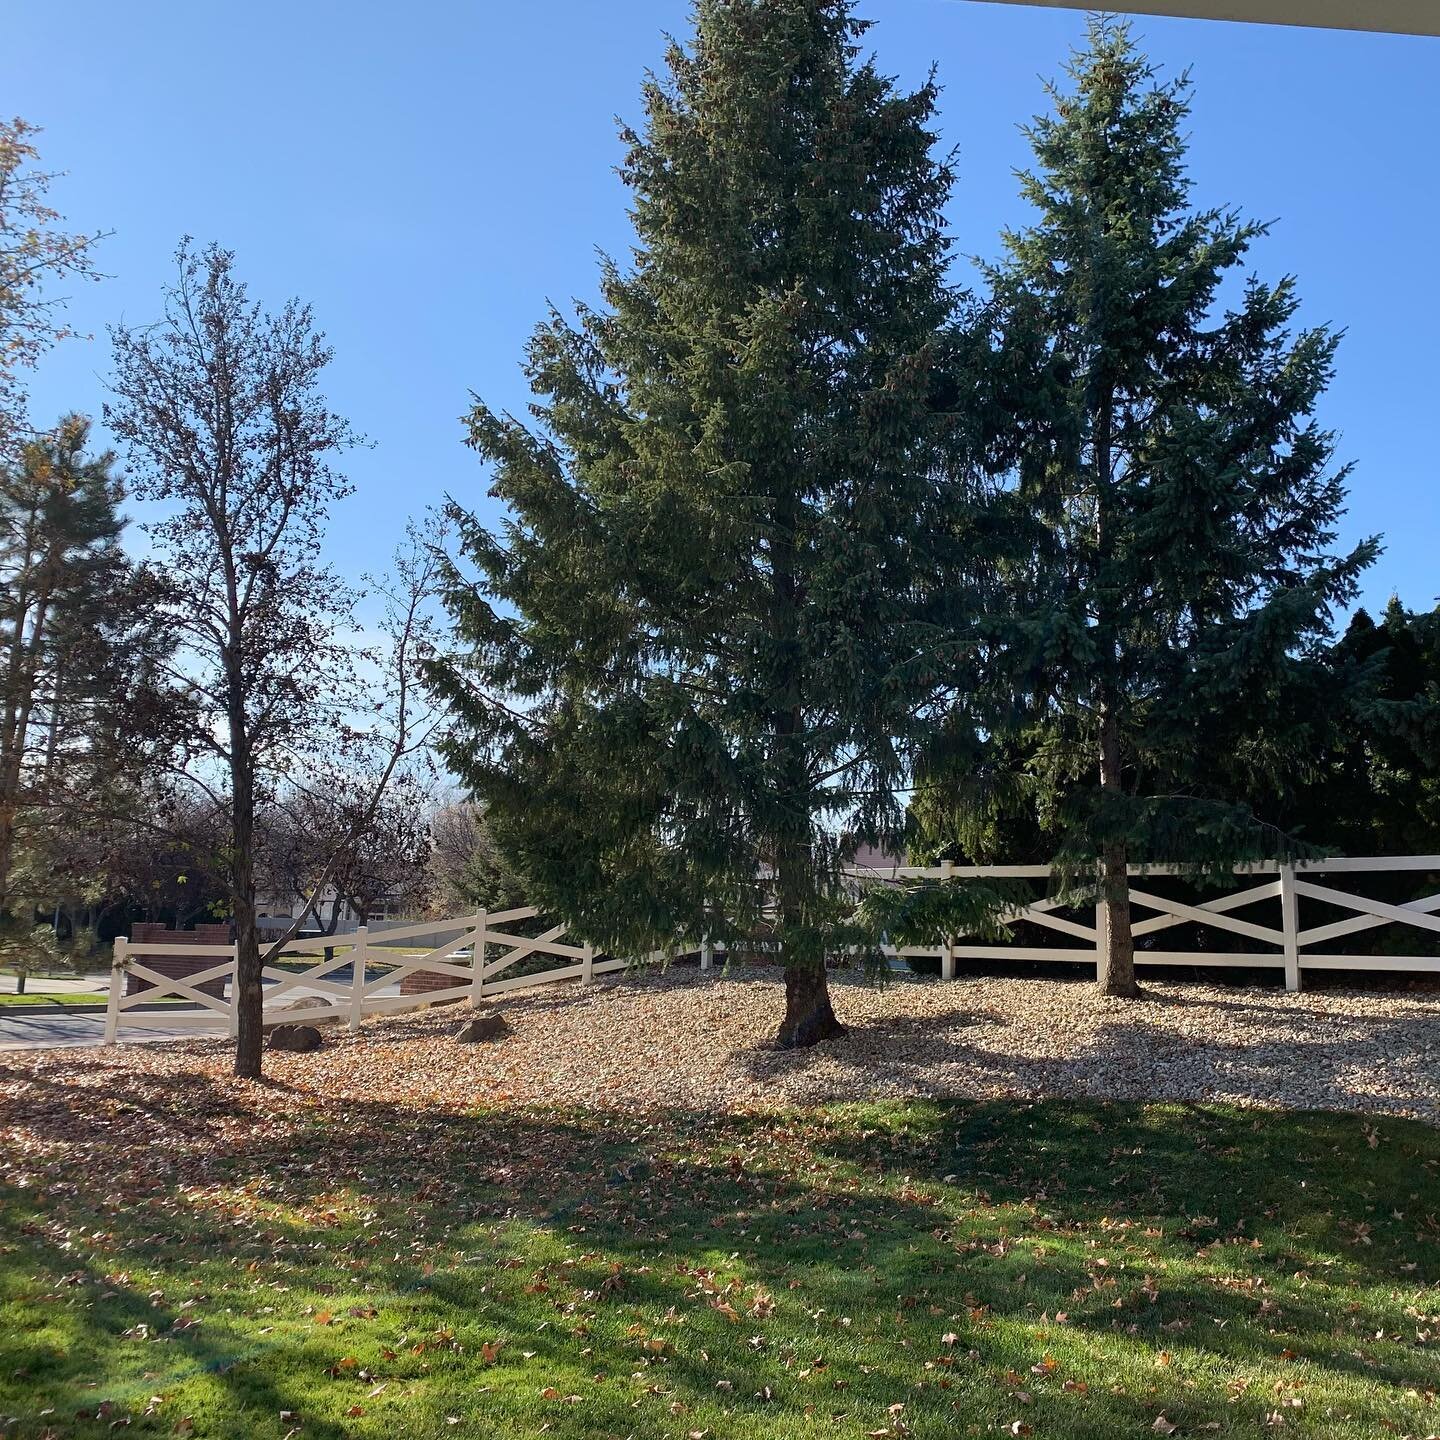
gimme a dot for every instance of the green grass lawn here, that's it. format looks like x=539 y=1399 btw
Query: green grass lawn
x=44 y=997
x=931 y=1270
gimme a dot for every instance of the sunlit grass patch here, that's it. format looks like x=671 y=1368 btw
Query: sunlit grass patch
x=1053 y=1269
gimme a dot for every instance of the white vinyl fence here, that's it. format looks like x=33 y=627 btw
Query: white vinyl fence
x=359 y=974
x=1294 y=915
x=1274 y=925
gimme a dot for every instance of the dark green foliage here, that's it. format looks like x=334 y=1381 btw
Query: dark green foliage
x=1367 y=784
x=713 y=629
x=1374 y=787
x=77 y=636
x=1182 y=501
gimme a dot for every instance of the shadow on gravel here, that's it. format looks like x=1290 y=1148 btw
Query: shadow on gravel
x=1320 y=1059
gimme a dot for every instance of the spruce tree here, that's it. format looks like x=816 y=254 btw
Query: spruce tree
x=712 y=628
x=1374 y=788
x=1182 y=495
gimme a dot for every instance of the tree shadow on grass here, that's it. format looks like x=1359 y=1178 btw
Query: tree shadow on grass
x=872 y=1233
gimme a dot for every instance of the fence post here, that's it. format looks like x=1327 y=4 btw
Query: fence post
x=358 y=957
x=947 y=957
x=477 y=947
x=1102 y=933
x=117 y=984
x=235 y=992
x=707 y=955
x=587 y=966
x=1290 y=924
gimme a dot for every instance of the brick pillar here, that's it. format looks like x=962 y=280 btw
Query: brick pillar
x=180 y=967
x=422 y=982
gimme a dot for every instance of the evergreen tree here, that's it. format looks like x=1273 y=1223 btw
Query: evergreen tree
x=710 y=634
x=1183 y=496
x=1374 y=788
x=76 y=639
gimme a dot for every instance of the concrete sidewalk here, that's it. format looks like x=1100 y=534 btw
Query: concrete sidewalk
x=96 y=982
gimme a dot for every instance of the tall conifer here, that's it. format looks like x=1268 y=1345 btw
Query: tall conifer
x=712 y=628
x=1183 y=496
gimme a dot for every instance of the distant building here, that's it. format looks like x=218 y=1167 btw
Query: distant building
x=276 y=914
x=872 y=857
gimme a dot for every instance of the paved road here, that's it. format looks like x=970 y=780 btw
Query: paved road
x=19 y=1031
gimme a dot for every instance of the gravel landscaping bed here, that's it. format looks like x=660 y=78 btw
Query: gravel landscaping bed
x=697 y=1042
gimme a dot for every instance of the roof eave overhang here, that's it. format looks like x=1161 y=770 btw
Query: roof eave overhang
x=1396 y=17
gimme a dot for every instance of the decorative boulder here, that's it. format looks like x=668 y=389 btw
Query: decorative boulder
x=299 y=1038
x=301 y=1002
x=493 y=1026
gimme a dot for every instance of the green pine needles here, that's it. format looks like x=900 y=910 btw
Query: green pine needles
x=1159 y=442
x=724 y=610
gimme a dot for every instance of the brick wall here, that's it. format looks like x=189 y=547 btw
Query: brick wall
x=148 y=932
x=422 y=982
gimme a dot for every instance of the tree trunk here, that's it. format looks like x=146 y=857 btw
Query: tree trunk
x=1115 y=968
x=1115 y=972
x=249 y=991
x=249 y=995
x=809 y=1017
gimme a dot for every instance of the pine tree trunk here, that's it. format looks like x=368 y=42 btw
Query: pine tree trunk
x=809 y=1016
x=1115 y=971
x=1115 y=968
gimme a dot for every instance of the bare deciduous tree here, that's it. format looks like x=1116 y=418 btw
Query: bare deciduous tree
x=373 y=854
x=220 y=408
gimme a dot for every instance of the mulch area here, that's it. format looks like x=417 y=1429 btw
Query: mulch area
x=682 y=1040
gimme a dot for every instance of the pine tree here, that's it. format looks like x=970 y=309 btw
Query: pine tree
x=76 y=635
x=712 y=630
x=1374 y=788
x=1183 y=495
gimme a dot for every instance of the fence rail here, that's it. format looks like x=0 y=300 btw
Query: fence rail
x=1292 y=924
x=1278 y=929
x=348 y=976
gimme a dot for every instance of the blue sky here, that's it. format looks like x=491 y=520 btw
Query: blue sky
x=429 y=175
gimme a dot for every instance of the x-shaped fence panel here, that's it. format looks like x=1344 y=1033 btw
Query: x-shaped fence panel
x=476 y=956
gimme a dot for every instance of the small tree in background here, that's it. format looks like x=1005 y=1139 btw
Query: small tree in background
x=467 y=870
x=77 y=640
x=716 y=623
x=35 y=254
x=143 y=849
x=1182 y=497
x=371 y=854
